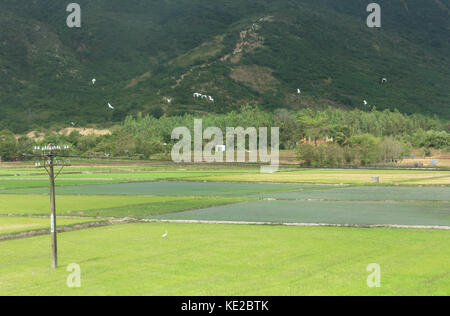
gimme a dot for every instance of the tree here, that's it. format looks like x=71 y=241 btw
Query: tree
x=344 y=135
x=391 y=150
x=157 y=112
x=8 y=145
x=367 y=148
x=289 y=127
x=316 y=124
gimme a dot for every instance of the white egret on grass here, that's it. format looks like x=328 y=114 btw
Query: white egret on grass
x=94 y=81
x=110 y=106
x=165 y=235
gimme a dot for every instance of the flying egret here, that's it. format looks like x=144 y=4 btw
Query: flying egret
x=73 y=123
x=110 y=106
x=165 y=235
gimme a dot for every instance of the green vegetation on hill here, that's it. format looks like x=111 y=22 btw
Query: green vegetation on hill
x=256 y=52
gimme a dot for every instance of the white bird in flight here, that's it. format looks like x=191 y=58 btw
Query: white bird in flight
x=165 y=235
x=110 y=106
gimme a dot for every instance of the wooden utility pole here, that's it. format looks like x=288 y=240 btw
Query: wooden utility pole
x=49 y=165
x=51 y=172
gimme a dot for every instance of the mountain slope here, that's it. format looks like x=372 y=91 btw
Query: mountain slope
x=255 y=51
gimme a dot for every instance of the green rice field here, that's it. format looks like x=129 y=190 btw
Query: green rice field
x=255 y=255
x=230 y=260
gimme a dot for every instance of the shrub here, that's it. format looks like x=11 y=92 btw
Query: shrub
x=366 y=149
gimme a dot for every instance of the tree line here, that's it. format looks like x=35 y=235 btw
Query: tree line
x=328 y=137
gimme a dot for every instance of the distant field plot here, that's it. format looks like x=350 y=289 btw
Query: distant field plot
x=337 y=212
x=107 y=206
x=432 y=181
x=325 y=176
x=175 y=189
x=372 y=205
x=13 y=184
x=230 y=260
x=8 y=172
x=148 y=175
x=9 y=225
x=369 y=193
x=17 y=179
x=11 y=179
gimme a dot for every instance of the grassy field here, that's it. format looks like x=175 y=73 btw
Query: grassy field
x=133 y=259
x=107 y=206
x=26 y=177
x=230 y=260
x=173 y=189
x=358 y=177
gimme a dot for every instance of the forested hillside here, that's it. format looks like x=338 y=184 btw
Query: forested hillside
x=143 y=53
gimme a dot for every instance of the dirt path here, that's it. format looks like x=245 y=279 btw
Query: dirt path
x=110 y=222
x=297 y=224
x=65 y=229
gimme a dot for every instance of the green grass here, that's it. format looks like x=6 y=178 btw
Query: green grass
x=230 y=260
x=172 y=188
x=12 y=184
x=25 y=178
x=10 y=225
x=107 y=206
